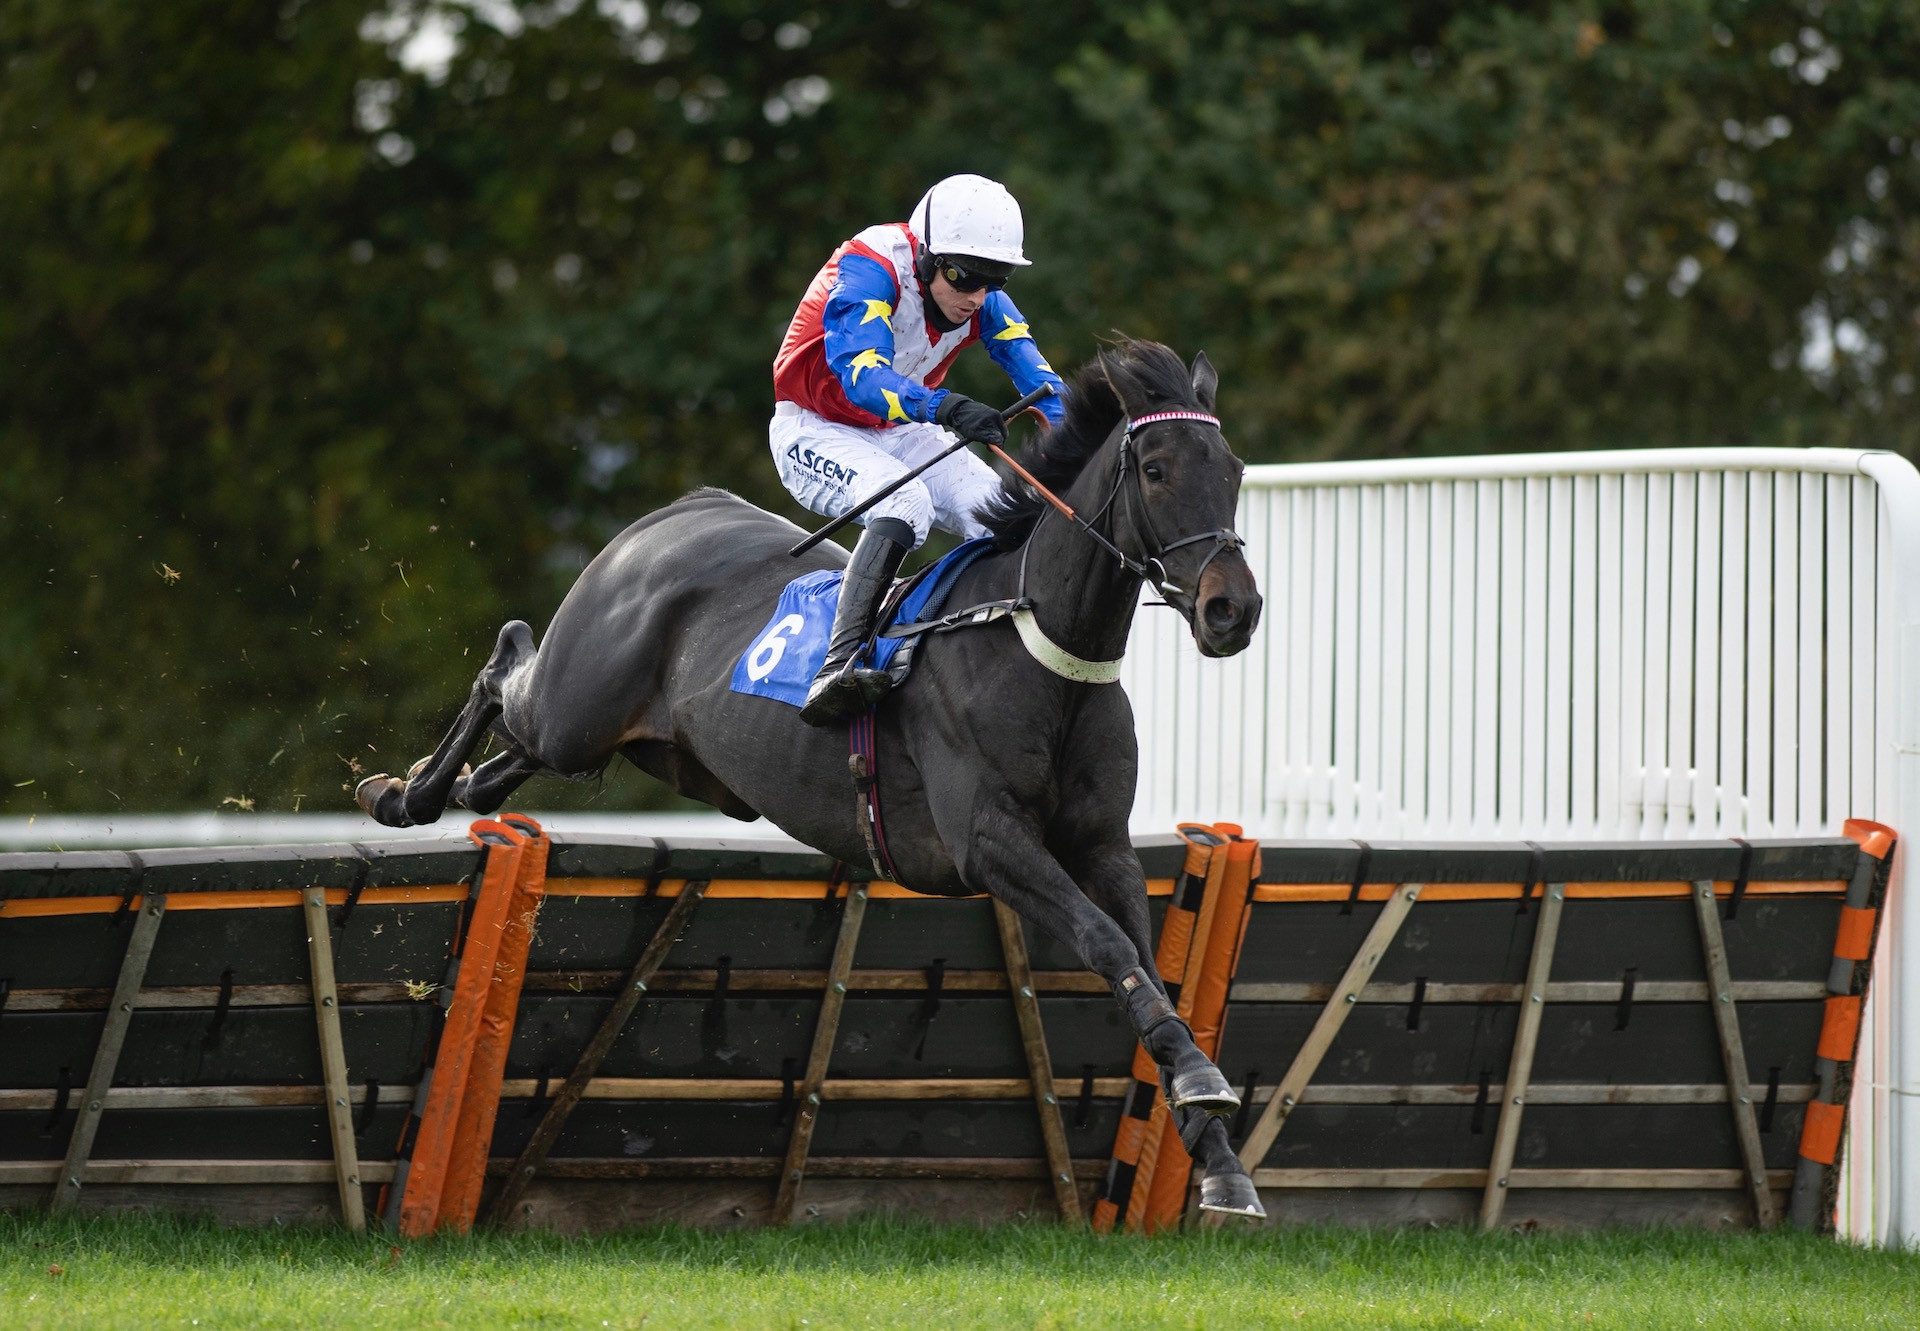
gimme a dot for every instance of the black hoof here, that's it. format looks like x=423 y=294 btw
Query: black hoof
x=1205 y=1089
x=384 y=798
x=1231 y=1194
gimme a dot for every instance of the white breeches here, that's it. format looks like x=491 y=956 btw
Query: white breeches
x=830 y=467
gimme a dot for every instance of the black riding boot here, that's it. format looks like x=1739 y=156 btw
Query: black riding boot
x=840 y=690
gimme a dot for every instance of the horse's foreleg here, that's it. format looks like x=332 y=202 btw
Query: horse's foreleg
x=1110 y=883
x=1113 y=882
x=1225 y=1185
x=1003 y=856
x=421 y=796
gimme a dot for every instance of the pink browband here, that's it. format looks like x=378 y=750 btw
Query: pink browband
x=1201 y=416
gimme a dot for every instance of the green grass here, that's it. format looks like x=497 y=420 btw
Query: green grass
x=145 y=1272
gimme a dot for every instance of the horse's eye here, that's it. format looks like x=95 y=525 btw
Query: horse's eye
x=1154 y=471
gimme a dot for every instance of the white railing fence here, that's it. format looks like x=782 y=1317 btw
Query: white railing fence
x=1672 y=644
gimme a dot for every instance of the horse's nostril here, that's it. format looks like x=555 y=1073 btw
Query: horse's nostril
x=1221 y=613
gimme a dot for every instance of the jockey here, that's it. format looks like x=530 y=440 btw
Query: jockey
x=859 y=402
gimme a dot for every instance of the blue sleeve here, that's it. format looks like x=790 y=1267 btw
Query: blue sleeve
x=1013 y=350
x=859 y=344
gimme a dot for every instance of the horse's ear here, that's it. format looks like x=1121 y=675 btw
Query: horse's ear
x=1206 y=380
x=1126 y=387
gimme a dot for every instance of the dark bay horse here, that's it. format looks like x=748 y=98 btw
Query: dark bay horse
x=999 y=773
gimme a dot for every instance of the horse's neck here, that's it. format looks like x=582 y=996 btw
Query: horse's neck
x=1082 y=597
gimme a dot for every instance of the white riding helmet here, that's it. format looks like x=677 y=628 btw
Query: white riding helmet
x=970 y=216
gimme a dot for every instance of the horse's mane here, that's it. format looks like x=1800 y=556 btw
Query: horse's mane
x=1056 y=456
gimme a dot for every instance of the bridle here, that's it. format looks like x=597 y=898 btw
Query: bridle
x=1152 y=568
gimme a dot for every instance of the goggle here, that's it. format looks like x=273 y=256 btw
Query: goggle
x=962 y=278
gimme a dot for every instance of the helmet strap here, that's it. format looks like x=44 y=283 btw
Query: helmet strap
x=924 y=267
x=923 y=264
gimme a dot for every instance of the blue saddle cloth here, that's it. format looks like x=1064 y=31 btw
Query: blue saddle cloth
x=784 y=656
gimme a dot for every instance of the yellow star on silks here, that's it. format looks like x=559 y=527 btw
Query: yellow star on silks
x=895 y=412
x=877 y=309
x=1012 y=331
x=866 y=360
x=1043 y=365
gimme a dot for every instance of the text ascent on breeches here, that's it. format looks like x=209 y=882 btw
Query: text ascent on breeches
x=830 y=467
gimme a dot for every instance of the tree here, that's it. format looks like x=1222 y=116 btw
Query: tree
x=318 y=365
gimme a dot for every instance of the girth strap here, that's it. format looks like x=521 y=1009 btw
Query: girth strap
x=863 y=761
x=1039 y=646
x=984 y=613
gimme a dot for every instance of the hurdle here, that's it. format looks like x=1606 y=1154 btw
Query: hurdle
x=591 y=1032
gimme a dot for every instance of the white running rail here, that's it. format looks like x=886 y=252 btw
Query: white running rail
x=1672 y=643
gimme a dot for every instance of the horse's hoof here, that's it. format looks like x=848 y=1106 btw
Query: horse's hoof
x=384 y=799
x=1205 y=1089
x=1231 y=1194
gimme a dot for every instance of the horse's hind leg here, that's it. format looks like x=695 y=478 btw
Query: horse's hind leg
x=487 y=787
x=421 y=796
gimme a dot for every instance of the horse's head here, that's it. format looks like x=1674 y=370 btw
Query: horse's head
x=1178 y=485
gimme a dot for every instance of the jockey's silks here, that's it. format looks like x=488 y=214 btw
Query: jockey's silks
x=862 y=351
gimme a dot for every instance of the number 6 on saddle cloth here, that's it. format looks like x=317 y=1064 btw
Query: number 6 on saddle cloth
x=785 y=655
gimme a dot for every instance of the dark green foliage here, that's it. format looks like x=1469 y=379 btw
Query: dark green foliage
x=314 y=370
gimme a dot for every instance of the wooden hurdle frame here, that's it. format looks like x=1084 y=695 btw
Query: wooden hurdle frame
x=1215 y=896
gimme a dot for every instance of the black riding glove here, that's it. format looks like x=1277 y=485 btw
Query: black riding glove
x=971 y=420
